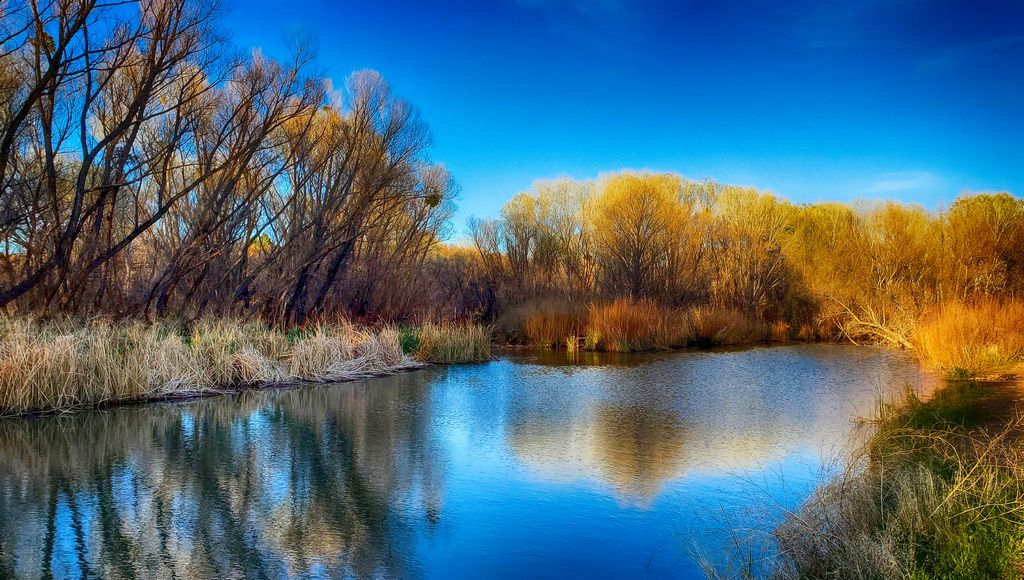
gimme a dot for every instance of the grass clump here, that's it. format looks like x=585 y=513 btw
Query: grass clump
x=973 y=339
x=931 y=494
x=724 y=326
x=628 y=326
x=550 y=325
x=450 y=342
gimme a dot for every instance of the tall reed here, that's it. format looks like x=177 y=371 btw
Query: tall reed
x=627 y=325
x=724 y=326
x=976 y=338
x=549 y=325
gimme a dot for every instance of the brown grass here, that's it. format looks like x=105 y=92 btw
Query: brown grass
x=779 y=331
x=724 y=326
x=549 y=325
x=58 y=365
x=638 y=325
x=978 y=338
x=626 y=325
x=807 y=333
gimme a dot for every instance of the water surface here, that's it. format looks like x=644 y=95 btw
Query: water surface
x=532 y=465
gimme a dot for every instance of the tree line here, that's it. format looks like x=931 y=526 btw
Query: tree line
x=866 y=271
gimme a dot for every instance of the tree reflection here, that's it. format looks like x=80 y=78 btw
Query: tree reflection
x=634 y=448
x=323 y=480
x=637 y=448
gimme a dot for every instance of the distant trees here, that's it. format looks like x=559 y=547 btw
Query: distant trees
x=865 y=272
x=144 y=169
x=985 y=234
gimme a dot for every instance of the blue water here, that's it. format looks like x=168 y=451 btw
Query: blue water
x=534 y=465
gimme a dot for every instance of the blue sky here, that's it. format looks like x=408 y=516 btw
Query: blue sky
x=913 y=100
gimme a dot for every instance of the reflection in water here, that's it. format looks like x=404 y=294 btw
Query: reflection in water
x=725 y=411
x=634 y=448
x=309 y=480
x=500 y=469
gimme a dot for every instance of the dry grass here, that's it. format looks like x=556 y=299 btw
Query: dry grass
x=638 y=325
x=807 y=333
x=928 y=496
x=552 y=325
x=986 y=336
x=58 y=365
x=779 y=331
x=626 y=325
x=451 y=342
x=724 y=326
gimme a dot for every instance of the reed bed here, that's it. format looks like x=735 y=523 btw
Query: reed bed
x=60 y=365
x=552 y=325
x=725 y=326
x=973 y=339
x=638 y=325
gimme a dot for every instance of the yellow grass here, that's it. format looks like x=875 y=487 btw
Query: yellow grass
x=986 y=336
x=779 y=331
x=807 y=333
x=48 y=366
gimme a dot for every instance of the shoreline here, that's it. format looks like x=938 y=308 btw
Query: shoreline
x=56 y=367
x=213 y=392
x=408 y=365
x=934 y=491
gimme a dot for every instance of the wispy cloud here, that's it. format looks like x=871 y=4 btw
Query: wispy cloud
x=589 y=23
x=838 y=24
x=587 y=8
x=962 y=53
x=904 y=182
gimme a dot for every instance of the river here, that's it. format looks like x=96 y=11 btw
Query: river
x=535 y=464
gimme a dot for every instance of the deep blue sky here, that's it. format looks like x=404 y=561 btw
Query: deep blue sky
x=914 y=100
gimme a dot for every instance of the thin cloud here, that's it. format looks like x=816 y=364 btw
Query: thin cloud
x=956 y=55
x=833 y=25
x=904 y=182
x=587 y=8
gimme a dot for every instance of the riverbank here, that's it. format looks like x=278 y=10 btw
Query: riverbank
x=56 y=366
x=936 y=491
x=982 y=339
